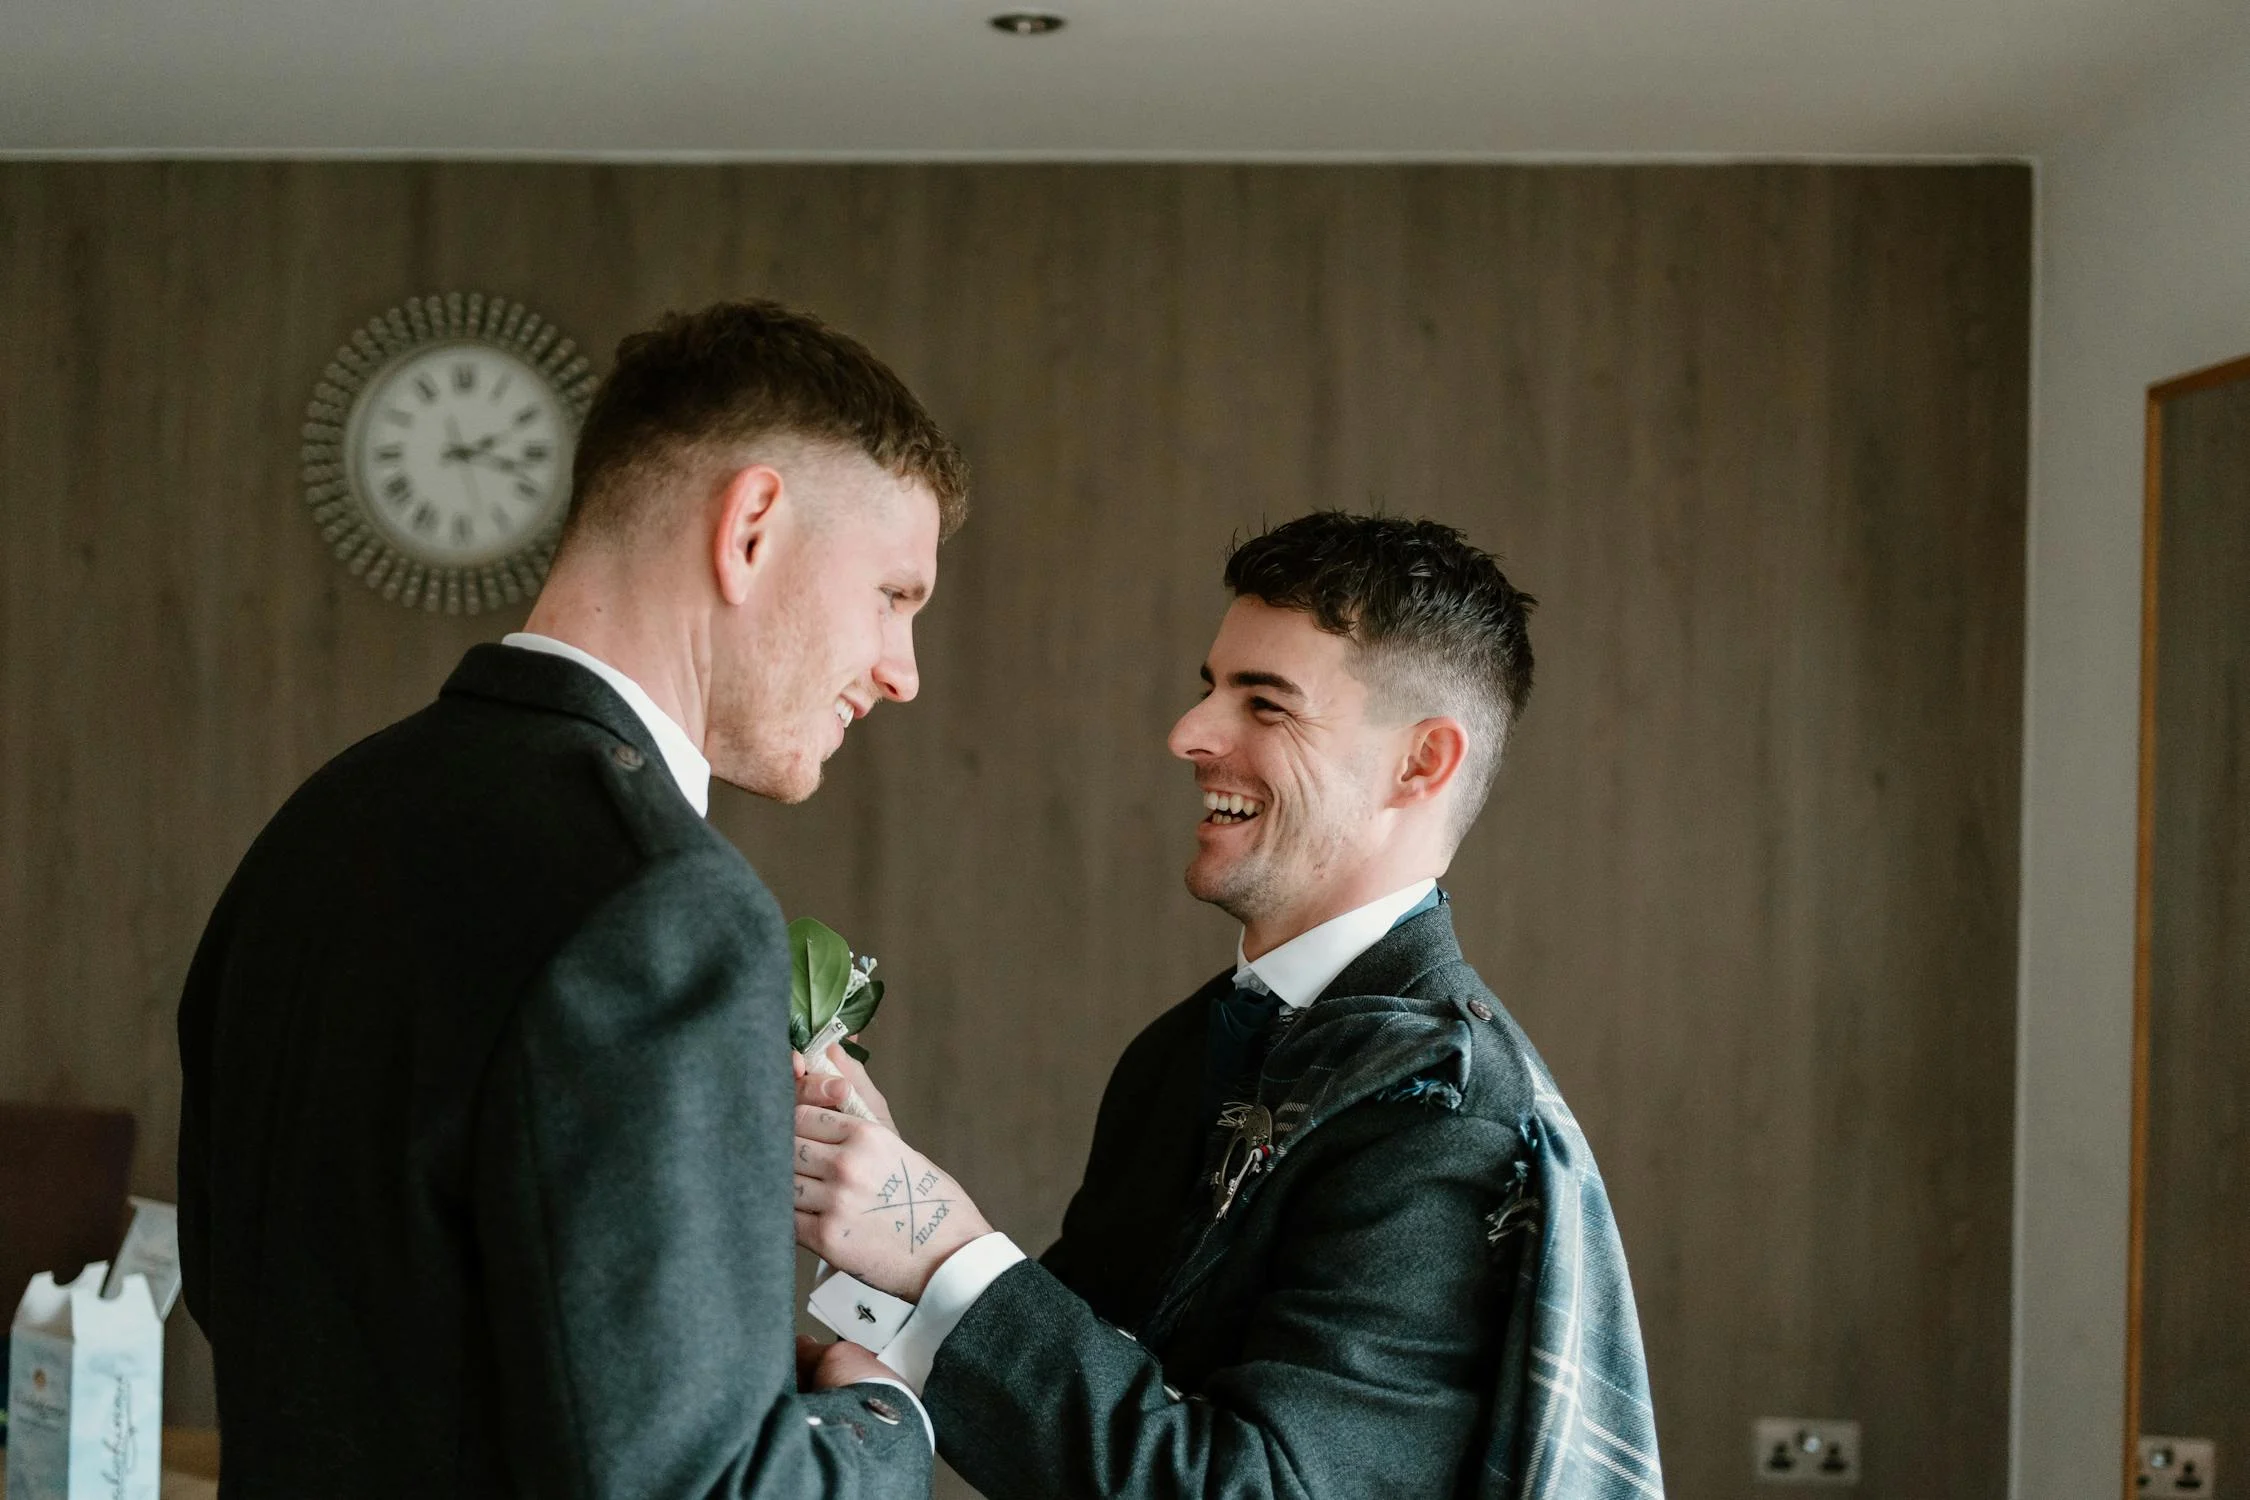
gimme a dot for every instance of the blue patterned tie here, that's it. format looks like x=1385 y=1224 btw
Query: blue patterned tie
x=1240 y=1021
x=1242 y=1025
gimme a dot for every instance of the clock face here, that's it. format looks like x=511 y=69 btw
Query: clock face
x=437 y=446
x=460 y=453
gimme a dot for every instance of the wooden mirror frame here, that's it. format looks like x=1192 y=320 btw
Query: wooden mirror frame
x=2144 y=877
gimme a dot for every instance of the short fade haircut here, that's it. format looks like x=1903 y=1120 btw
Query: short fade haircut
x=698 y=384
x=1434 y=625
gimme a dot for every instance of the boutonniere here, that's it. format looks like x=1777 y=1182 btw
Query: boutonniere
x=832 y=997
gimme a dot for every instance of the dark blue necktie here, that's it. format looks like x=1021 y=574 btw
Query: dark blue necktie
x=1242 y=1027
x=1240 y=1022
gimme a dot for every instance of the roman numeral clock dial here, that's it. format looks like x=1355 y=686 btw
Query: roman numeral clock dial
x=437 y=451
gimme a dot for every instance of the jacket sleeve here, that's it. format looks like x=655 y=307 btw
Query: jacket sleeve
x=1366 y=1367
x=1115 y=1248
x=632 y=1215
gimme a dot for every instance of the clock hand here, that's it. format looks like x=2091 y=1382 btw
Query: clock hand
x=469 y=479
x=458 y=452
x=464 y=453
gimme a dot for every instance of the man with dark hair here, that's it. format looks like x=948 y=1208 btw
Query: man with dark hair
x=484 y=1143
x=1338 y=1234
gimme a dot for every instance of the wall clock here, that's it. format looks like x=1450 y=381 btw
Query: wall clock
x=437 y=451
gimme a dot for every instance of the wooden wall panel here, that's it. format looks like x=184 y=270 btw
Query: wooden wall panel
x=1755 y=435
x=2195 y=1232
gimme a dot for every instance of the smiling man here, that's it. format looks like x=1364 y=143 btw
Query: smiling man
x=484 y=1143
x=1338 y=1234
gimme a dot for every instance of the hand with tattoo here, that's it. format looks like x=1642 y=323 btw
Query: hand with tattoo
x=870 y=1204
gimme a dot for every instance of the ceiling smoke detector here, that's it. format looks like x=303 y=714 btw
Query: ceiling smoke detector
x=1027 y=22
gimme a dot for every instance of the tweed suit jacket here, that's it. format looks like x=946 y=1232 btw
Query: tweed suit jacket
x=1371 y=1312
x=484 y=1147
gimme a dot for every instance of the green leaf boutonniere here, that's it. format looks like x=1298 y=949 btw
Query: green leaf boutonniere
x=832 y=997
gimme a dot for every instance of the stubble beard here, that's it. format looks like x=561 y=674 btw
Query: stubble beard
x=759 y=743
x=1259 y=884
x=778 y=773
x=1242 y=889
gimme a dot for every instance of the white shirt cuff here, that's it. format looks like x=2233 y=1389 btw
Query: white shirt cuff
x=928 y=1430
x=953 y=1287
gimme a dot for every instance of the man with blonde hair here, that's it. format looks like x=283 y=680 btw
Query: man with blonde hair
x=484 y=1146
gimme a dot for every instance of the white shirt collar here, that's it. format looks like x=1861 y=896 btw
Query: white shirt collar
x=681 y=757
x=1308 y=963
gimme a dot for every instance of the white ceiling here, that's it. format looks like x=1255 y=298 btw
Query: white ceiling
x=1429 y=78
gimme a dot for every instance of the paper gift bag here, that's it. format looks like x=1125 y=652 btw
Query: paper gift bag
x=85 y=1391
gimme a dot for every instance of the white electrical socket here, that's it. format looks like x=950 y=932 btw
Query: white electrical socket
x=1804 y=1450
x=2178 y=1466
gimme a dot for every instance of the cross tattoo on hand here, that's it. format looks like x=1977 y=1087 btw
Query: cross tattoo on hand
x=922 y=1213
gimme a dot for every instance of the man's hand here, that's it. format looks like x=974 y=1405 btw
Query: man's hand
x=823 y=1367
x=833 y=1095
x=870 y=1204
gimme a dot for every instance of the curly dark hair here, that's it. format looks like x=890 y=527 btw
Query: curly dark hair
x=736 y=372
x=1435 y=626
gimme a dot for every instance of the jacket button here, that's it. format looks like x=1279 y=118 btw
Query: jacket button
x=881 y=1410
x=628 y=757
x=1480 y=1010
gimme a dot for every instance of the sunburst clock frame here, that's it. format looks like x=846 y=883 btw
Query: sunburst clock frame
x=437 y=450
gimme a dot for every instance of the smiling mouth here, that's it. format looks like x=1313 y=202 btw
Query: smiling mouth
x=1224 y=809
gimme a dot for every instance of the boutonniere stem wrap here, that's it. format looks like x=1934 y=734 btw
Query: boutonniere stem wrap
x=832 y=997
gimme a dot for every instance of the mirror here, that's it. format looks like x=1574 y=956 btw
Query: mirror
x=2188 y=1338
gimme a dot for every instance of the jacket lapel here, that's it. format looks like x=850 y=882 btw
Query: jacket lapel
x=1361 y=1038
x=548 y=684
x=1400 y=958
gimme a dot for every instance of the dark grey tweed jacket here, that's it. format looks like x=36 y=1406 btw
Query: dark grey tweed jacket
x=1414 y=1291
x=484 y=1148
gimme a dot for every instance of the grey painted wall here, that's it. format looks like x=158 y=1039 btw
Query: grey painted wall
x=2142 y=277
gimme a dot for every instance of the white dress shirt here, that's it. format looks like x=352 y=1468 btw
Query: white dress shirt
x=681 y=757
x=693 y=774
x=1308 y=963
x=1297 y=971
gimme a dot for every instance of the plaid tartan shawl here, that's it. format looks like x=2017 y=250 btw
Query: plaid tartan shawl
x=1571 y=1417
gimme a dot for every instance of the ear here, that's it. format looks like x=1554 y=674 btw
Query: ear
x=1435 y=750
x=748 y=505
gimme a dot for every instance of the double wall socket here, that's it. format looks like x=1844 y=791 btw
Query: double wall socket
x=2177 y=1466
x=1804 y=1450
